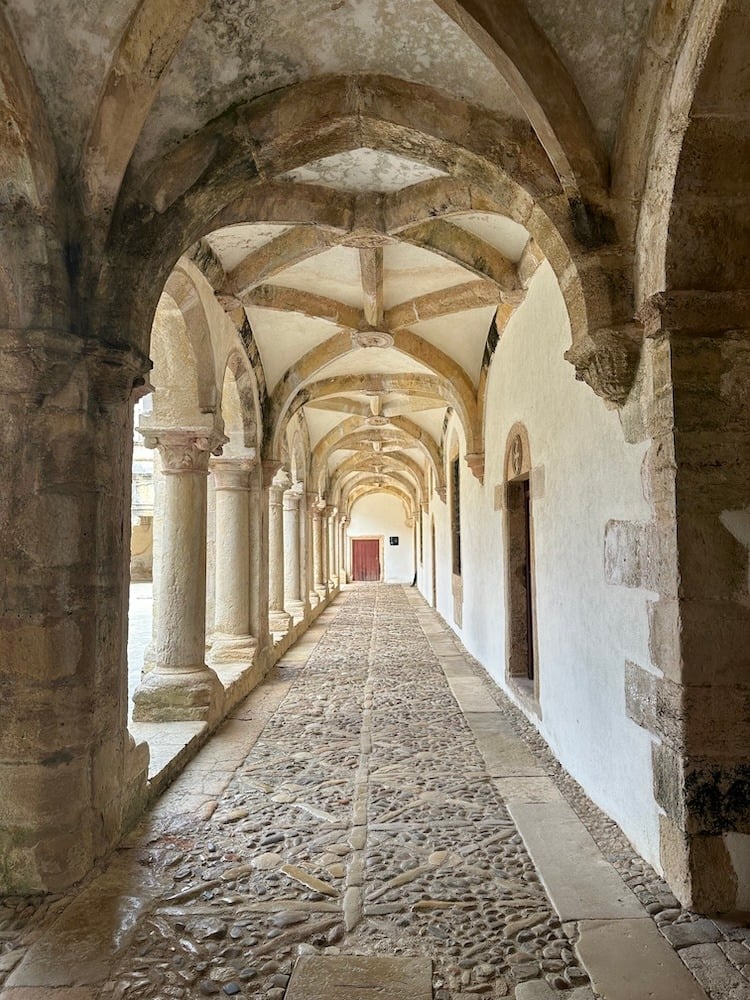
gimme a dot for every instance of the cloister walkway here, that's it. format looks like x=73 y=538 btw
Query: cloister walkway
x=375 y=797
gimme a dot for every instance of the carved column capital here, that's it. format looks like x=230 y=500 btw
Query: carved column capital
x=231 y=473
x=292 y=497
x=607 y=360
x=270 y=468
x=184 y=449
x=316 y=505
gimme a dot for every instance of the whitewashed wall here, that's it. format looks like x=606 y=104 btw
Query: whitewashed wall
x=586 y=629
x=384 y=515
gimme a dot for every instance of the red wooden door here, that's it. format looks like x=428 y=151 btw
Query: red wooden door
x=365 y=559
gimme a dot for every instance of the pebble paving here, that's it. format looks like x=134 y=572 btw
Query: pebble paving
x=361 y=822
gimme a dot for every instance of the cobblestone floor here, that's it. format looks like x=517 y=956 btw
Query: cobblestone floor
x=361 y=820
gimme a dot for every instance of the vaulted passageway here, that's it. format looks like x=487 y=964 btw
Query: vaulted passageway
x=462 y=282
x=376 y=795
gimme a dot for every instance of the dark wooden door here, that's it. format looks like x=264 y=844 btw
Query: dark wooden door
x=365 y=559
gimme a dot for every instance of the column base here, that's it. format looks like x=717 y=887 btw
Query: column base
x=296 y=609
x=279 y=622
x=187 y=695
x=322 y=592
x=227 y=648
x=314 y=598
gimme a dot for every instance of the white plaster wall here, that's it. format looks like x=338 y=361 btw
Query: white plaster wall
x=382 y=514
x=584 y=474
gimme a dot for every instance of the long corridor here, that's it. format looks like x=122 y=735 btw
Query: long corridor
x=375 y=797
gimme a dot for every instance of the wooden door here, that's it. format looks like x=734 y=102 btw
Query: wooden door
x=365 y=559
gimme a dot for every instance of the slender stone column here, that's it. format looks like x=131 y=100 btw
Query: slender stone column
x=412 y=523
x=332 y=574
x=320 y=583
x=293 y=602
x=305 y=569
x=232 y=640
x=279 y=620
x=258 y=557
x=342 y=549
x=181 y=687
x=70 y=773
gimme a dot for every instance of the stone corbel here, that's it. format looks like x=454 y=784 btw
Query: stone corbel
x=476 y=464
x=442 y=492
x=607 y=360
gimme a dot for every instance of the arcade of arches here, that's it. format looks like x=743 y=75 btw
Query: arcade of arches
x=473 y=278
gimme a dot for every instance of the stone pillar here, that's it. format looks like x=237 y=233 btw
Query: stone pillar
x=320 y=583
x=181 y=687
x=293 y=602
x=71 y=776
x=693 y=556
x=331 y=574
x=279 y=620
x=232 y=639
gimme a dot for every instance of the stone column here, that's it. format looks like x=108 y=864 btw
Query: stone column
x=320 y=584
x=257 y=558
x=411 y=522
x=279 y=620
x=293 y=602
x=70 y=774
x=232 y=640
x=331 y=574
x=342 y=549
x=181 y=687
x=305 y=571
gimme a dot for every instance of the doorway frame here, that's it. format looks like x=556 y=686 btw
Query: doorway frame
x=517 y=474
x=381 y=550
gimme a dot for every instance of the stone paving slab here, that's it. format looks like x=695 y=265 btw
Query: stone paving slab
x=630 y=960
x=471 y=696
x=505 y=755
x=358 y=977
x=516 y=789
x=581 y=884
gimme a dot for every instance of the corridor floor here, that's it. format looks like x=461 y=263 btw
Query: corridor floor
x=374 y=797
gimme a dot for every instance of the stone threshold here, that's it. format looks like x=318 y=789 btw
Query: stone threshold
x=617 y=942
x=172 y=745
